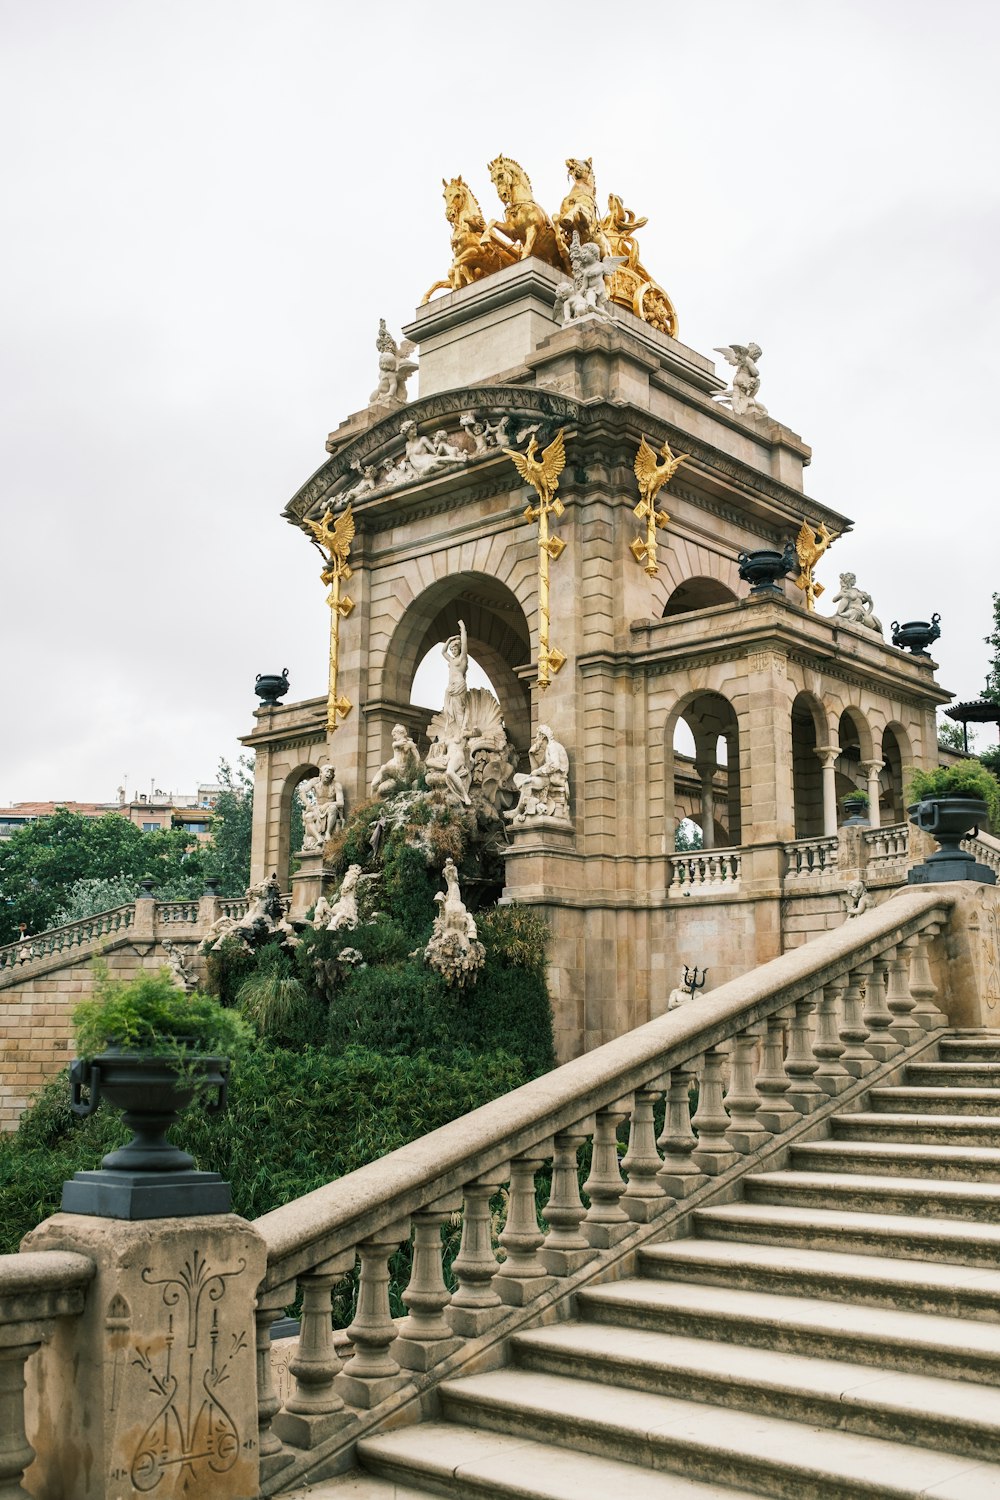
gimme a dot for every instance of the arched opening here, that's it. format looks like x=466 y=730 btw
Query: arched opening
x=854 y=739
x=703 y=767
x=499 y=644
x=289 y=841
x=896 y=754
x=808 y=736
x=697 y=593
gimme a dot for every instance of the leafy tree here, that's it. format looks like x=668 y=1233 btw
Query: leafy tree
x=228 y=854
x=950 y=737
x=992 y=690
x=688 y=836
x=87 y=897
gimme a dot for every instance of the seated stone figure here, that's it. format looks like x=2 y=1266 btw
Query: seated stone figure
x=401 y=769
x=544 y=791
x=854 y=605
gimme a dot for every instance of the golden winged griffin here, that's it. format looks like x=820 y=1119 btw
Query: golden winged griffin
x=543 y=476
x=651 y=477
x=810 y=544
x=334 y=538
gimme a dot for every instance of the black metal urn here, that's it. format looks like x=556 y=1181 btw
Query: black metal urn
x=270 y=688
x=916 y=634
x=857 y=808
x=762 y=569
x=949 y=820
x=149 y=1177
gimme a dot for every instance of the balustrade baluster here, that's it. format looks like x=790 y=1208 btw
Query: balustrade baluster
x=606 y=1222
x=713 y=1152
x=876 y=1015
x=922 y=986
x=16 y=1452
x=745 y=1133
x=679 y=1175
x=476 y=1304
x=831 y=1075
x=898 y=998
x=805 y=1093
x=372 y=1373
x=853 y=1032
x=565 y=1249
x=425 y=1335
x=269 y=1305
x=316 y=1408
x=776 y=1114
x=522 y=1276
x=645 y=1194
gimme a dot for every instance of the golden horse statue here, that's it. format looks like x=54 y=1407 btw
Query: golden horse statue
x=525 y=223
x=631 y=285
x=474 y=254
x=578 y=210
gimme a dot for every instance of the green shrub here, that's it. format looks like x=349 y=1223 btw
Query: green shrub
x=229 y=962
x=965 y=778
x=277 y=1003
x=152 y=1014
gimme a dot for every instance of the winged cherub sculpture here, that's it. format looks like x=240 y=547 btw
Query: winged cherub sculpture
x=651 y=478
x=746 y=382
x=394 y=369
x=810 y=544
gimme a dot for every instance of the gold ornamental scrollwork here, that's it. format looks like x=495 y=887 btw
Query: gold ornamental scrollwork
x=543 y=476
x=810 y=544
x=651 y=477
x=334 y=538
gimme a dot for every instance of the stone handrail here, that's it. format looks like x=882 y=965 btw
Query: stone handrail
x=80 y=934
x=233 y=907
x=177 y=911
x=807 y=858
x=704 y=870
x=35 y=1289
x=888 y=845
x=780 y=1070
x=986 y=849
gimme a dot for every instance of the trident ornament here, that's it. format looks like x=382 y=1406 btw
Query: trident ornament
x=651 y=478
x=334 y=542
x=543 y=476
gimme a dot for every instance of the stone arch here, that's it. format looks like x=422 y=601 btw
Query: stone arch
x=282 y=847
x=710 y=716
x=810 y=731
x=698 y=593
x=498 y=635
x=897 y=754
x=856 y=749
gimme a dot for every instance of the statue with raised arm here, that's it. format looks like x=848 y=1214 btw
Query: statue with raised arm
x=854 y=605
x=741 y=395
x=456 y=695
x=544 y=791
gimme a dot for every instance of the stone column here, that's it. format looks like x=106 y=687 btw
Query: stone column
x=872 y=769
x=706 y=772
x=155 y=1381
x=828 y=757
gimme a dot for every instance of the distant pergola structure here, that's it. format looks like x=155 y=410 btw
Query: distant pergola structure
x=978 y=712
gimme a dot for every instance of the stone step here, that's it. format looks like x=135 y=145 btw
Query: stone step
x=951 y=1240
x=919 y=1286
x=886 y=1338
x=357 y=1486
x=951 y=1415
x=936 y=1101
x=463 y=1461
x=954 y=1130
x=935 y=1075
x=890 y=1158
x=767 y=1455
x=969 y=1048
x=975 y=1201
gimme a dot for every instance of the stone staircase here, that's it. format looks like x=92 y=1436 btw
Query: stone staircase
x=834 y=1334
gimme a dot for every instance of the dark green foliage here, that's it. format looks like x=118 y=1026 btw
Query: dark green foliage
x=227 y=857
x=276 y=1002
x=152 y=1014
x=296 y=1120
x=229 y=963
x=991 y=692
x=965 y=778
x=408 y=889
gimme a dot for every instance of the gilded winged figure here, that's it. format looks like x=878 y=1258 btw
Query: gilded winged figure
x=653 y=476
x=542 y=474
x=810 y=544
x=337 y=537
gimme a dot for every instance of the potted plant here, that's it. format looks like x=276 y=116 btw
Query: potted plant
x=856 y=805
x=950 y=802
x=150 y=1049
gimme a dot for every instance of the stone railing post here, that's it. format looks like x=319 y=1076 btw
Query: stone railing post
x=645 y=1193
x=476 y=1304
x=831 y=1075
x=606 y=1221
x=680 y=1175
x=805 y=1093
x=922 y=986
x=372 y=1373
x=425 y=1335
x=523 y=1274
x=713 y=1153
x=269 y=1306
x=566 y=1249
x=316 y=1408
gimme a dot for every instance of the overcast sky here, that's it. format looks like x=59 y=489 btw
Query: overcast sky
x=209 y=204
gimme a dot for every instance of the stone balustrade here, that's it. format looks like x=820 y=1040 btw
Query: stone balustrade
x=86 y=933
x=35 y=1290
x=807 y=859
x=886 y=847
x=705 y=871
x=233 y=907
x=178 y=911
x=794 y=1034
x=986 y=849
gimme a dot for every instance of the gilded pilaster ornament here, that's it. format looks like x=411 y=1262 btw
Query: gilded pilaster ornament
x=334 y=538
x=543 y=476
x=810 y=544
x=651 y=478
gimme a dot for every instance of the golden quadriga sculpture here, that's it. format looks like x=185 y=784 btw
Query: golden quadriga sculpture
x=480 y=248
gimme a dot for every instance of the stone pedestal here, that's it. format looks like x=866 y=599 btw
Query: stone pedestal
x=307 y=885
x=153 y=1388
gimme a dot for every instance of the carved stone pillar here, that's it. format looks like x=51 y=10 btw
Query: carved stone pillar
x=872 y=769
x=706 y=773
x=827 y=759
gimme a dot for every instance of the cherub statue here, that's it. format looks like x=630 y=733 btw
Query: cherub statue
x=746 y=382
x=367 y=481
x=322 y=799
x=401 y=769
x=854 y=606
x=856 y=899
x=544 y=791
x=810 y=544
x=586 y=293
x=394 y=369
x=486 y=435
x=425 y=456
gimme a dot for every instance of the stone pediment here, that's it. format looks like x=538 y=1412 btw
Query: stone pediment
x=384 y=442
